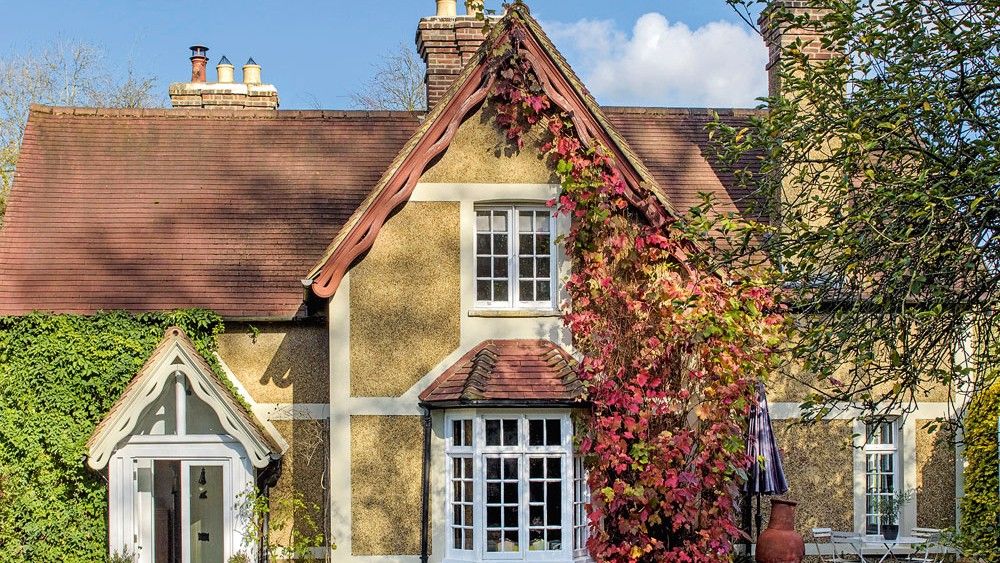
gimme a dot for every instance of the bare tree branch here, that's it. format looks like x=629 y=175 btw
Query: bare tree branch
x=397 y=84
x=65 y=73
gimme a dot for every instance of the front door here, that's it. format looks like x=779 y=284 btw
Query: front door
x=203 y=534
x=180 y=509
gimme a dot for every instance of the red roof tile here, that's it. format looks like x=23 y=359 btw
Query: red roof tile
x=507 y=371
x=674 y=146
x=159 y=209
x=227 y=210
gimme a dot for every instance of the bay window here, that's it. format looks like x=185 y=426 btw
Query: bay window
x=513 y=488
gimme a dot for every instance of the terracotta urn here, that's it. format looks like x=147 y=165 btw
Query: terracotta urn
x=780 y=543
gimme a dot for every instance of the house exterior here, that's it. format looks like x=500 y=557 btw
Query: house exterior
x=391 y=286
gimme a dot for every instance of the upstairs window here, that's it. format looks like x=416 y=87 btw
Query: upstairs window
x=514 y=257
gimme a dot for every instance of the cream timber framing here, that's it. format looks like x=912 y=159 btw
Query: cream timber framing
x=475 y=326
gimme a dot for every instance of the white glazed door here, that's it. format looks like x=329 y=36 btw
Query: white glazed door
x=207 y=502
x=142 y=506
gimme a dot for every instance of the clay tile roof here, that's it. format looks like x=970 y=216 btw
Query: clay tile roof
x=161 y=209
x=227 y=210
x=674 y=145
x=502 y=372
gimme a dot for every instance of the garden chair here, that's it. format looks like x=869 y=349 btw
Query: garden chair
x=823 y=540
x=847 y=547
x=930 y=551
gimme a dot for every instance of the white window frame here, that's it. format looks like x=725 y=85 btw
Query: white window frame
x=513 y=300
x=523 y=451
x=870 y=449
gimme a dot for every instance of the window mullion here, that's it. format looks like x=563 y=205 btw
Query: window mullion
x=512 y=257
x=523 y=509
x=478 y=494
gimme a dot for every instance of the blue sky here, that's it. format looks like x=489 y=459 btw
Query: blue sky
x=630 y=52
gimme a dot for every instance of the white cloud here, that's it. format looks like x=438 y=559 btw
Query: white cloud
x=665 y=64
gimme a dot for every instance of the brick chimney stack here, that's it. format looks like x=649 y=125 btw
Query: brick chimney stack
x=224 y=94
x=779 y=35
x=446 y=42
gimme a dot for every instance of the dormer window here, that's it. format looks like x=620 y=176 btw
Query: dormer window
x=514 y=257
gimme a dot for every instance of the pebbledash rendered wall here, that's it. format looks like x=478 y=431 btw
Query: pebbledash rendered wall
x=825 y=463
x=405 y=313
x=402 y=316
x=282 y=371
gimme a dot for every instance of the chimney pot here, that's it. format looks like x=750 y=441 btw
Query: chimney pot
x=251 y=72
x=225 y=70
x=447 y=8
x=199 y=60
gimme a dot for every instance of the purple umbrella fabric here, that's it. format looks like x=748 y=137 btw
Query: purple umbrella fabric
x=766 y=475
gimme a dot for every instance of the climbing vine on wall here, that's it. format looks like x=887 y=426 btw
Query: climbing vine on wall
x=59 y=374
x=981 y=503
x=670 y=353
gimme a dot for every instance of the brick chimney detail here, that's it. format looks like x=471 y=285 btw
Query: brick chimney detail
x=777 y=38
x=199 y=62
x=224 y=94
x=446 y=44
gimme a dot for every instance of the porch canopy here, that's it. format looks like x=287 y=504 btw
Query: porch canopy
x=176 y=362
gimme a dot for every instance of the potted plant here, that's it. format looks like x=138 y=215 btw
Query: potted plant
x=889 y=507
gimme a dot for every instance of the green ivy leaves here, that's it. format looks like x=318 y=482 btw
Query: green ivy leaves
x=59 y=375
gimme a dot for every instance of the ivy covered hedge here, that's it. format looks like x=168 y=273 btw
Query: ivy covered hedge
x=981 y=505
x=59 y=375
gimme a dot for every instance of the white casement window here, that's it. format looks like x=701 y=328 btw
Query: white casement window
x=881 y=469
x=513 y=488
x=514 y=257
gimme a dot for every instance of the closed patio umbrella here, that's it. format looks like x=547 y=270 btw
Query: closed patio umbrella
x=766 y=475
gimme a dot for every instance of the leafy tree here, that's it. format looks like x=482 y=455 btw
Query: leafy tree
x=64 y=74
x=397 y=84
x=879 y=163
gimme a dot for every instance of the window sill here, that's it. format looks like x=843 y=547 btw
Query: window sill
x=514 y=313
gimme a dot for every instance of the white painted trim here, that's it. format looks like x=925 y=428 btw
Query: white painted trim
x=512 y=303
x=858 y=458
x=906 y=453
x=474 y=329
x=789 y=410
x=485 y=193
x=907 y=472
x=479 y=451
x=122 y=420
x=399 y=406
x=130 y=515
x=340 y=421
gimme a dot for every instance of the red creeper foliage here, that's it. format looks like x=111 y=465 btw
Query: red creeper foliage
x=671 y=354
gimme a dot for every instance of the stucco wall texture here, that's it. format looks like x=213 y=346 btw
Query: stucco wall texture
x=793 y=385
x=386 y=462
x=405 y=300
x=480 y=153
x=819 y=465
x=283 y=363
x=935 y=478
x=301 y=474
